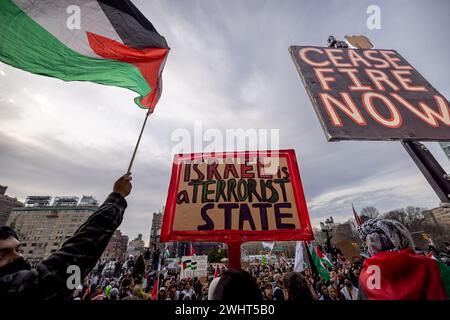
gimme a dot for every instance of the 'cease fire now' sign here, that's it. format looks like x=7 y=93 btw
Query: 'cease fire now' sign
x=371 y=95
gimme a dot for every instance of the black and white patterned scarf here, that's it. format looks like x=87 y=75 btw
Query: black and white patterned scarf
x=385 y=235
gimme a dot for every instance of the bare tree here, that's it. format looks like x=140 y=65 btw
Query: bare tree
x=414 y=218
x=369 y=213
x=398 y=214
x=411 y=217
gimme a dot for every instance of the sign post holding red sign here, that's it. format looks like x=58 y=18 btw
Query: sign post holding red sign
x=236 y=197
x=361 y=94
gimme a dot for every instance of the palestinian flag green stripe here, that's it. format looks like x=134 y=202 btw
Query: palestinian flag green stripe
x=323 y=272
x=41 y=44
x=445 y=276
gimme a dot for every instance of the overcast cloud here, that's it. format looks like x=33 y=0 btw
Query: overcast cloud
x=229 y=67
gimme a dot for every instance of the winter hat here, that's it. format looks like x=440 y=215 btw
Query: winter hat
x=385 y=235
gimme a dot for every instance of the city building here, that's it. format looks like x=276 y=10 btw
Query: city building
x=117 y=247
x=43 y=226
x=155 y=231
x=438 y=216
x=136 y=246
x=6 y=205
x=446 y=147
x=124 y=243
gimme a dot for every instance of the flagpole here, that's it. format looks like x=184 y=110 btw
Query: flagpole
x=157 y=278
x=310 y=260
x=150 y=111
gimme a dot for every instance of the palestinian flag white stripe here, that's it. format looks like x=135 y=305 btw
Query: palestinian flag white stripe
x=55 y=17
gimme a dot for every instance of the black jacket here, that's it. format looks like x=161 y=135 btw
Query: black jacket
x=49 y=279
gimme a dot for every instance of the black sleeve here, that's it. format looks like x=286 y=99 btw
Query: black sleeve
x=83 y=249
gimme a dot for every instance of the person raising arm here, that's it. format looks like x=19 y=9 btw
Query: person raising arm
x=49 y=279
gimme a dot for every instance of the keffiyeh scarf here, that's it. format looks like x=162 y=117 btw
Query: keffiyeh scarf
x=385 y=235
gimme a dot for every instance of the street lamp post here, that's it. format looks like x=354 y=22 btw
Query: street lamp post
x=327 y=229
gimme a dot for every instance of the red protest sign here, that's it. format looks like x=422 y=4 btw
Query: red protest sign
x=234 y=197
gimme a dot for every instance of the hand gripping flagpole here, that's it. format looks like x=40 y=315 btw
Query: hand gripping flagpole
x=150 y=111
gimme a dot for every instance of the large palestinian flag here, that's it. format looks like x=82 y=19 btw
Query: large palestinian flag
x=404 y=275
x=104 y=41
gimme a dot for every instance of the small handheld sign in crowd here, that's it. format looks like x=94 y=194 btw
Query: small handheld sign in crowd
x=368 y=94
x=236 y=197
x=194 y=266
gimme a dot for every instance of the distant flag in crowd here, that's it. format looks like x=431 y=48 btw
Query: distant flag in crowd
x=299 y=259
x=188 y=264
x=264 y=260
x=154 y=294
x=217 y=271
x=268 y=245
x=323 y=258
x=102 y=41
x=191 y=249
x=357 y=218
x=320 y=261
x=283 y=260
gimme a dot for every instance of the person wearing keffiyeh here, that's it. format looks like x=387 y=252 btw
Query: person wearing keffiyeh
x=385 y=235
x=394 y=271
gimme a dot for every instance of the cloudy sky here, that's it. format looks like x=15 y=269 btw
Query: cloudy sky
x=229 y=67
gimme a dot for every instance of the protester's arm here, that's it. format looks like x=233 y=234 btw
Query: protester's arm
x=86 y=246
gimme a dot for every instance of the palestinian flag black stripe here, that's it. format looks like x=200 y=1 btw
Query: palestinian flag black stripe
x=113 y=43
x=132 y=26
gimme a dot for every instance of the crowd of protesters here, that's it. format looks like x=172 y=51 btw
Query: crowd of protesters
x=266 y=281
x=392 y=269
x=274 y=281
